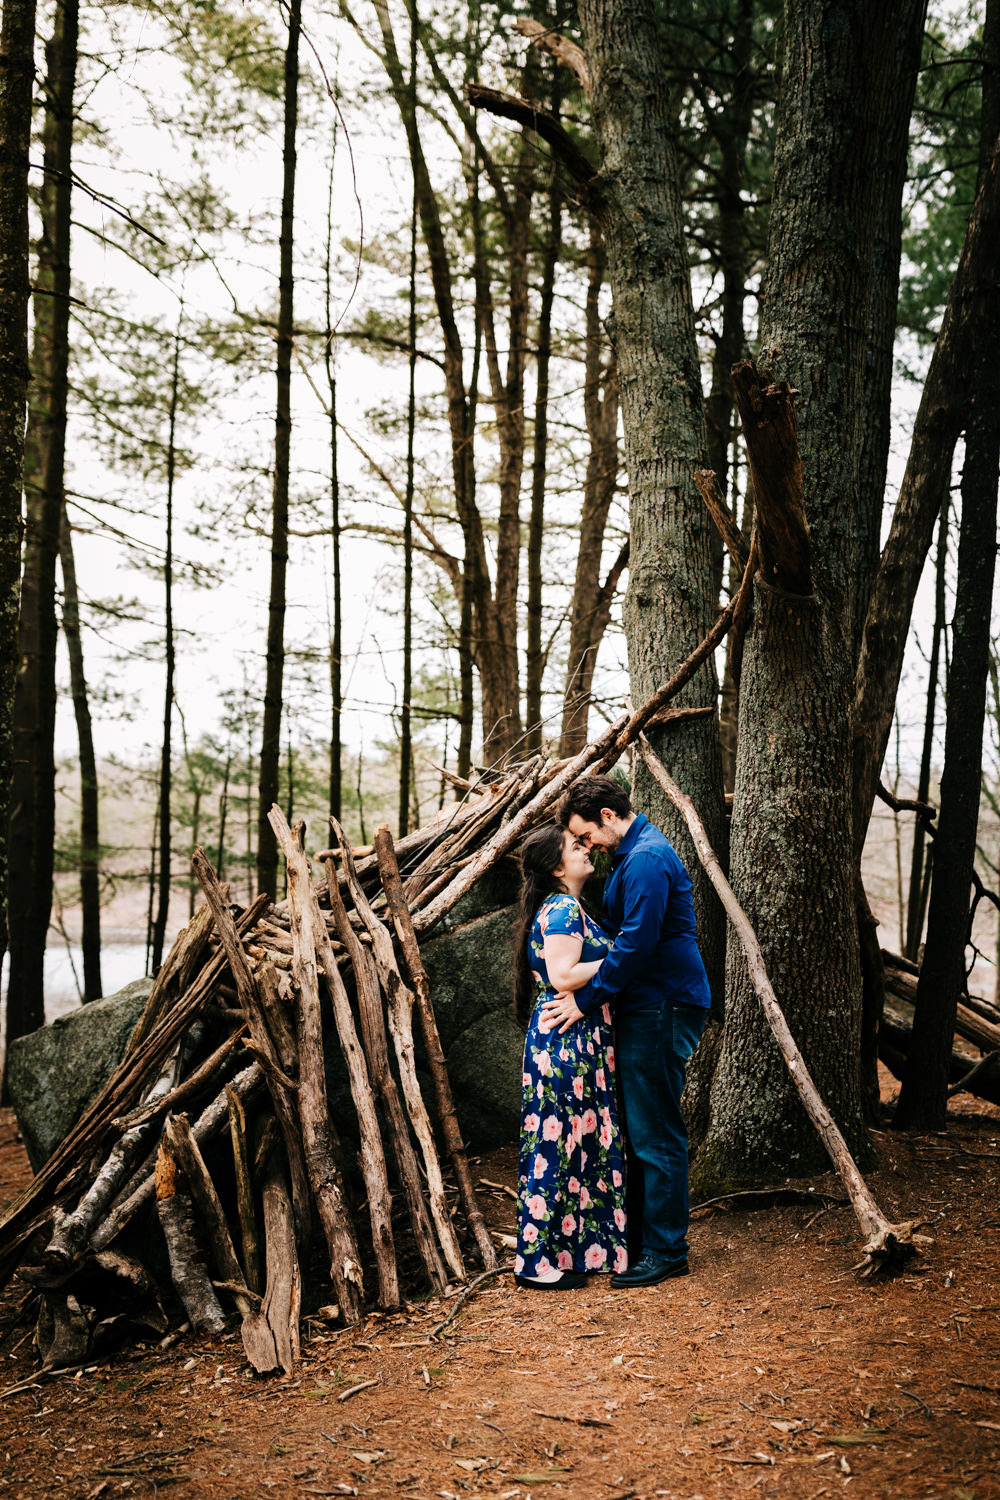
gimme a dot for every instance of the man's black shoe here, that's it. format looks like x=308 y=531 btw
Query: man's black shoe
x=648 y=1270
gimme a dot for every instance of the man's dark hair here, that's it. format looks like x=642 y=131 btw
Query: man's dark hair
x=587 y=796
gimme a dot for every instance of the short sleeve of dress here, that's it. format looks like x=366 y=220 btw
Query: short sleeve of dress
x=561 y=917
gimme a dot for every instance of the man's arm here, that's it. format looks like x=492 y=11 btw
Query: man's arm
x=645 y=891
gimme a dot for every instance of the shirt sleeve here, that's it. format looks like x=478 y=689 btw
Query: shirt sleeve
x=645 y=893
x=561 y=918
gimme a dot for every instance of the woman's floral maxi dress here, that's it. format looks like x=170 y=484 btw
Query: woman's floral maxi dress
x=571 y=1189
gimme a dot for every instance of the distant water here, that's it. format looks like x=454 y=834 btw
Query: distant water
x=120 y=964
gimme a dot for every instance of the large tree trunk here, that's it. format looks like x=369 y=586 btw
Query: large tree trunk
x=792 y=837
x=17 y=35
x=32 y=827
x=270 y=746
x=669 y=605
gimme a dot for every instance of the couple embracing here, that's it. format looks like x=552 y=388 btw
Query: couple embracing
x=603 y=1176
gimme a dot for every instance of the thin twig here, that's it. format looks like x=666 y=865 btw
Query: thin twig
x=485 y=1276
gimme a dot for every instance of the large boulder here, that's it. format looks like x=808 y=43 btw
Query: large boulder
x=55 y=1072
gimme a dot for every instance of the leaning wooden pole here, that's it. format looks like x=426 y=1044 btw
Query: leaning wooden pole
x=314 y=1115
x=593 y=759
x=887 y=1244
x=399 y=1015
x=454 y=1145
x=309 y=932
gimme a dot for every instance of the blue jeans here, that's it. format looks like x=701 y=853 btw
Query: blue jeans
x=654 y=1042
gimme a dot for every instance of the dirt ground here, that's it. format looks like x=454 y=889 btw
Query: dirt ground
x=772 y=1368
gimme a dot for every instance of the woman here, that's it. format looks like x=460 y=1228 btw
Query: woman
x=571 y=1194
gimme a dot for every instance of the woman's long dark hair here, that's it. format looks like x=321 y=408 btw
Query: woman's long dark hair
x=541 y=853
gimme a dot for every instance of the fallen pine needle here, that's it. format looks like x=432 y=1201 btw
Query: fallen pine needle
x=354 y=1389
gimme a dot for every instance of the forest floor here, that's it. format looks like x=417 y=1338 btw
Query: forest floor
x=772 y=1368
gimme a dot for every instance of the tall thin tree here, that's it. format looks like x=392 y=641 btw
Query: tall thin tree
x=336 y=635
x=270 y=747
x=17 y=36
x=916 y=904
x=33 y=789
x=163 y=900
x=405 y=729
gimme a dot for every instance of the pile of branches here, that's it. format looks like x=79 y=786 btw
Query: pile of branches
x=974 y=1066
x=200 y=1173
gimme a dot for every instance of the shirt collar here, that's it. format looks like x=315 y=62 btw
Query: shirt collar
x=629 y=841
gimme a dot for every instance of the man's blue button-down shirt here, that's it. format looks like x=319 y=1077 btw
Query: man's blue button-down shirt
x=648 y=907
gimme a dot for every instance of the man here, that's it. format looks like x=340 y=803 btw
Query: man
x=656 y=978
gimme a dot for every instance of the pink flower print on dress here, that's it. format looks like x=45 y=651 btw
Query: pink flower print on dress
x=599 y=1079
x=564 y=1260
x=621 y=1259
x=541 y=1166
x=536 y=1206
x=610 y=1059
x=606 y=1015
x=602 y=1186
x=616 y=1178
x=595 y=1257
x=568 y=1224
x=531 y=1124
x=589 y=1121
x=606 y=1136
x=551 y=1128
x=543 y=1062
x=585 y=1198
x=576 y=1130
x=620 y=1218
x=518 y=1264
x=590 y=1048
x=543 y=1264
x=563 y=1054
x=573 y=1186
x=537 y=977
x=583 y=1160
x=526 y=1080
x=529 y=1234
x=578 y=1087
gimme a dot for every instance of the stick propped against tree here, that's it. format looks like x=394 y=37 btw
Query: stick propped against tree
x=887 y=1245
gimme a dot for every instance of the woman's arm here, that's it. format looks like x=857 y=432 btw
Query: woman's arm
x=561 y=952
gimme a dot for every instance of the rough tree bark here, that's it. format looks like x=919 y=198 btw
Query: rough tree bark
x=17 y=35
x=668 y=606
x=32 y=826
x=845 y=87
